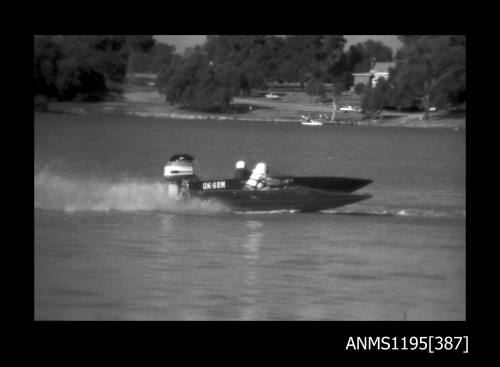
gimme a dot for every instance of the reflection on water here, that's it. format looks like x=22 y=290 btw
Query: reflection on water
x=166 y=228
x=252 y=244
x=251 y=247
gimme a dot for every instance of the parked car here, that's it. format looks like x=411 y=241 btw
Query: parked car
x=271 y=95
x=347 y=109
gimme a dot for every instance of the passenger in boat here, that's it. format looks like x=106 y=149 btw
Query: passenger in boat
x=241 y=172
x=259 y=179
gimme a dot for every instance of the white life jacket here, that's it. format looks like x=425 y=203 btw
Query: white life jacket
x=258 y=177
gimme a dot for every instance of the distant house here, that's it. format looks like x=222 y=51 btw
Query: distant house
x=379 y=70
x=363 y=78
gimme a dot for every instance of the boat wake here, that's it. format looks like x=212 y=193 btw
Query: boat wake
x=399 y=212
x=55 y=192
x=366 y=210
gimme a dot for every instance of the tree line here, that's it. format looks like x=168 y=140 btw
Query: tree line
x=207 y=76
x=429 y=69
x=86 y=66
x=429 y=72
x=83 y=67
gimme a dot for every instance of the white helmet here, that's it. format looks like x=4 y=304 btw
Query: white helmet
x=260 y=168
x=240 y=164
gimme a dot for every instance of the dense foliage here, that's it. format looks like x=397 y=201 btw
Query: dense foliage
x=431 y=68
x=69 y=67
x=359 y=88
x=429 y=71
x=154 y=60
x=316 y=88
x=361 y=55
x=374 y=99
x=245 y=62
x=307 y=58
x=197 y=83
x=240 y=63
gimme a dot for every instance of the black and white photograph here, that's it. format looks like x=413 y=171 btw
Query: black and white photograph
x=250 y=177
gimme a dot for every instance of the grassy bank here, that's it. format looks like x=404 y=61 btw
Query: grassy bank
x=147 y=102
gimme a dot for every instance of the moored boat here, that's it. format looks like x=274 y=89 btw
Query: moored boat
x=304 y=120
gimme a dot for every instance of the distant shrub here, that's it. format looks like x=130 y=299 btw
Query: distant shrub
x=197 y=84
x=315 y=88
x=359 y=89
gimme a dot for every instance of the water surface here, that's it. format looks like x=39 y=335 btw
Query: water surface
x=110 y=246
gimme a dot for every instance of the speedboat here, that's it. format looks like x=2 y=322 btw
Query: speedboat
x=311 y=193
x=304 y=120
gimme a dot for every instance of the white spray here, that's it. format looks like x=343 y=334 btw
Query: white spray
x=56 y=192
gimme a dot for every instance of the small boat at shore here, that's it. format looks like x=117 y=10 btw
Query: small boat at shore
x=311 y=193
x=304 y=120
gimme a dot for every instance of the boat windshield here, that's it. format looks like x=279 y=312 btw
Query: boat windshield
x=181 y=163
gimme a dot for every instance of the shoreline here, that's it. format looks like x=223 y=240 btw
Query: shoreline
x=150 y=104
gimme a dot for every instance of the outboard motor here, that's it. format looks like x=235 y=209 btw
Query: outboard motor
x=179 y=172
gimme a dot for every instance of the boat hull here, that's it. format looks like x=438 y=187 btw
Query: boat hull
x=292 y=198
x=313 y=123
x=324 y=183
x=342 y=184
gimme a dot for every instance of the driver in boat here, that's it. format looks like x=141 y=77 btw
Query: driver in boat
x=259 y=178
x=241 y=172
